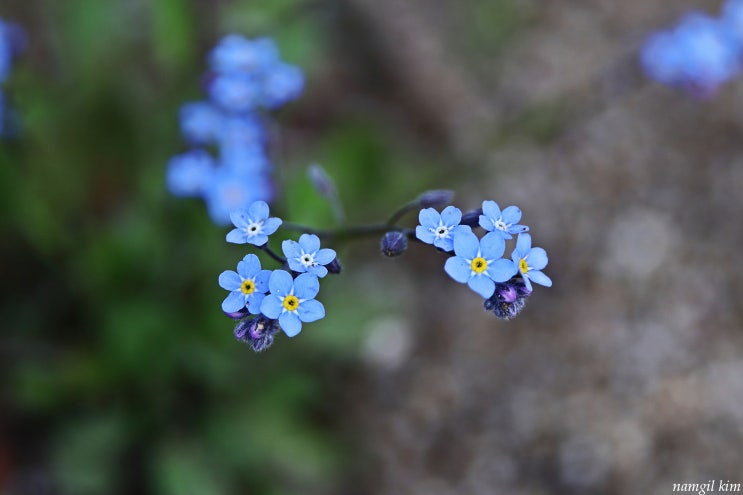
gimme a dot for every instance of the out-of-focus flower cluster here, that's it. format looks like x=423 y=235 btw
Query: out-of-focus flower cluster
x=700 y=53
x=12 y=41
x=268 y=301
x=246 y=79
x=503 y=283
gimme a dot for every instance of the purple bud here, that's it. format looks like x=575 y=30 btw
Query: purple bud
x=237 y=315
x=394 y=243
x=471 y=218
x=434 y=197
x=257 y=332
x=321 y=181
x=508 y=299
x=334 y=266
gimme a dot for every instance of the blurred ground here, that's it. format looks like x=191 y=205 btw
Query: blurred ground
x=119 y=375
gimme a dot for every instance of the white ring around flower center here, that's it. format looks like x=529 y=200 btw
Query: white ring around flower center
x=441 y=232
x=307 y=259
x=254 y=228
x=500 y=224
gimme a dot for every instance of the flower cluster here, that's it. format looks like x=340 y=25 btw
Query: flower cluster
x=246 y=78
x=478 y=262
x=700 y=53
x=12 y=39
x=268 y=301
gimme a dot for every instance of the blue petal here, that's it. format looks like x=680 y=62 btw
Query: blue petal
x=258 y=239
x=428 y=217
x=290 y=323
x=424 y=234
x=486 y=223
x=258 y=210
x=459 y=228
x=306 y=286
x=527 y=282
x=291 y=249
x=501 y=270
x=229 y=280
x=254 y=302
x=540 y=278
x=249 y=266
x=271 y=225
x=491 y=209
x=466 y=245
x=271 y=306
x=537 y=258
x=261 y=281
x=280 y=283
x=309 y=242
x=324 y=256
x=492 y=246
x=482 y=285
x=518 y=229
x=451 y=215
x=237 y=236
x=512 y=214
x=445 y=243
x=319 y=270
x=239 y=217
x=235 y=301
x=458 y=269
x=296 y=265
x=311 y=310
x=523 y=244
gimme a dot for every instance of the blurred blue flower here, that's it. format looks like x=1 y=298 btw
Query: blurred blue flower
x=478 y=263
x=235 y=91
x=699 y=55
x=292 y=301
x=189 y=173
x=228 y=191
x=201 y=122
x=529 y=261
x=281 y=84
x=504 y=223
x=440 y=229
x=247 y=286
x=234 y=53
x=252 y=225
x=306 y=255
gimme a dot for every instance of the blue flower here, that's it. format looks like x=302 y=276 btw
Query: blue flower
x=282 y=83
x=189 y=173
x=235 y=91
x=247 y=286
x=478 y=263
x=503 y=222
x=292 y=301
x=201 y=122
x=229 y=190
x=252 y=225
x=440 y=229
x=236 y=53
x=306 y=255
x=529 y=261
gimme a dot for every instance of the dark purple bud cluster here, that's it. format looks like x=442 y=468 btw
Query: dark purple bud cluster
x=508 y=299
x=258 y=332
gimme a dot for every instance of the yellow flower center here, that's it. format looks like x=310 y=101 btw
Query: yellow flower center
x=479 y=265
x=247 y=287
x=291 y=303
x=523 y=266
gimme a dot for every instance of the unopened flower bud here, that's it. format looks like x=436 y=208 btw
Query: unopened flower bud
x=321 y=181
x=394 y=243
x=434 y=197
x=508 y=299
x=334 y=266
x=471 y=218
x=257 y=332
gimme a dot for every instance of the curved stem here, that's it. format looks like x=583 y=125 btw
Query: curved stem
x=272 y=254
x=350 y=232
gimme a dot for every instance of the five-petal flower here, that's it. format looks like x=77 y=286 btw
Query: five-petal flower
x=478 y=263
x=529 y=261
x=306 y=255
x=247 y=286
x=504 y=223
x=440 y=229
x=292 y=301
x=253 y=226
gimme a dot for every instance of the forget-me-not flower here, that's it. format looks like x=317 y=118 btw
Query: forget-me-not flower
x=292 y=301
x=440 y=229
x=306 y=255
x=252 y=225
x=235 y=53
x=247 y=286
x=478 y=263
x=189 y=173
x=529 y=261
x=201 y=122
x=229 y=190
x=504 y=223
